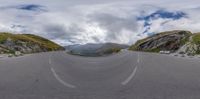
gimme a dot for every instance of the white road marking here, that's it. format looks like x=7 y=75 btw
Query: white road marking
x=61 y=81
x=132 y=74
x=138 y=59
x=130 y=77
x=49 y=60
x=58 y=78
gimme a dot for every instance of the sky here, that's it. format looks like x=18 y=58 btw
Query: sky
x=69 y=22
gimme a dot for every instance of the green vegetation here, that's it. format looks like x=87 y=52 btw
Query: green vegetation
x=135 y=47
x=154 y=50
x=196 y=41
x=27 y=41
x=112 y=50
x=43 y=42
x=196 y=38
x=185 y=40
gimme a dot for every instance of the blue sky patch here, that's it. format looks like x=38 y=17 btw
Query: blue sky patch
x=163 y=14
x=31 y=7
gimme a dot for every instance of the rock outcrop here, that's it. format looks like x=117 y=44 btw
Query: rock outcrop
x=192 y=47
x=166 y=41
x=25 y=43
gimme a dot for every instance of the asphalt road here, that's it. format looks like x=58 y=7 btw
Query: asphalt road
x=127 y=75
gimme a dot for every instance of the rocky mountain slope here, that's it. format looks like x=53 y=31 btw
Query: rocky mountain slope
x=95 y=49
x=25 y=43
x=179 y=41
x=193 y=46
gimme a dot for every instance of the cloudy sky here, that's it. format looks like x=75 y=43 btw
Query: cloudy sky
x=97 y=21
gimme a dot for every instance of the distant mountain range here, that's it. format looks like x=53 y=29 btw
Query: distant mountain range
x=25 y=43
x=178 y=41
x=95 y=49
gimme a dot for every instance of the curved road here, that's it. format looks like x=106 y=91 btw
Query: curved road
x=127 y=75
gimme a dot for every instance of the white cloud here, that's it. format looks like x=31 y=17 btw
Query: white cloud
x=91 y=21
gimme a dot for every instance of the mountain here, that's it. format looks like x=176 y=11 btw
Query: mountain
x=25 y=43
x=91 y=49
x=178 y=41
x=193 y=46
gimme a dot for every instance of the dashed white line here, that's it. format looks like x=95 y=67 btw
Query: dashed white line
x=138 y=59
x=132 y=74
x=130 y=77
x=49 y=61
x=58 y=78
x=61 y=81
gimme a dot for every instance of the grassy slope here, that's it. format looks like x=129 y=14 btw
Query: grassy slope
x=43 y=42
x=196 y=40
x=31 y=39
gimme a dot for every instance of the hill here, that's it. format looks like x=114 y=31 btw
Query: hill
x=95 y=49
x=174 y=41
x=25 y=43
x=192 y=47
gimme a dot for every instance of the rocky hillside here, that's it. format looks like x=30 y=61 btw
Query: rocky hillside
x=171 y=41
x=95 y=49
x=25 y=43
x=192 y=47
